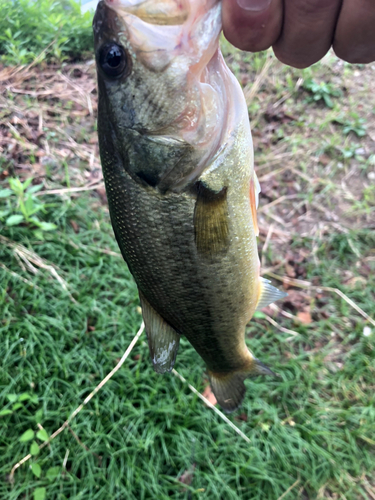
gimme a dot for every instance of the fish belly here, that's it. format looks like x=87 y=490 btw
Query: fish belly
x=209 y=300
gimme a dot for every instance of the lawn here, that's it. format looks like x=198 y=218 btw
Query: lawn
x=69 y=306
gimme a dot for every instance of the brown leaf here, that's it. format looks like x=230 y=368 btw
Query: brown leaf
x=74 y=226
x=353 y=282
x=241 y=416
x=208 y=394
x=324 y=159
x=187 y=476
x=296 y=300
x=102 y=195
x=304 y=317
x=290 y=271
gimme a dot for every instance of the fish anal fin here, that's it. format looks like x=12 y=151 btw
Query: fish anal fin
x=229 y=388
x=211 y=223
x=254 y=197
x=163 y=340
x=268 y=294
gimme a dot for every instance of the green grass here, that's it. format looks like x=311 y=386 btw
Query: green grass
x=28 y=28
x=314 y=425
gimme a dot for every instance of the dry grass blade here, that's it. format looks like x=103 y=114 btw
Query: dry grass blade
x=268 y=270
x=31 y=258
x=95 y=249
x=278 y=200
x=210 y=405
x=291 y=281
x=86 y=400
x=307 y=284
x=19 y=277
x=266 y=243
x=99 y=457
x=252 y=91
x=349 y=301
x=289 y=489
x=278 y=310
x=71 y=190
x=279 y=327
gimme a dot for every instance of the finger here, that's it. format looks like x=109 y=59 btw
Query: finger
x=355 y=32
x=308 y=31
x=252 y=25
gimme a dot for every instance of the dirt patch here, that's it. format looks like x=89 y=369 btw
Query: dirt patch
x=315 y=178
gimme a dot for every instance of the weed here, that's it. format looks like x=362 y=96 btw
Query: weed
x=352 y=123
x=321 y=91
x=27 y=28
x=21 y=206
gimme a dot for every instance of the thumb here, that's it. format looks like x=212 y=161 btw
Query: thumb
x=252 y=25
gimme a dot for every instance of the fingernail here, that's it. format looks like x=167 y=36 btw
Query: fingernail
x=254 y=5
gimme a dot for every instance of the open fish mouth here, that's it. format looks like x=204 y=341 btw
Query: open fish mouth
x=173 y=27
x=164 y=12
x=178 y=40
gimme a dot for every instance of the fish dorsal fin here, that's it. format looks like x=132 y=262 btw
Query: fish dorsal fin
x=211 y=225
x=268 y=294
x=163 y=340
x=254 y=201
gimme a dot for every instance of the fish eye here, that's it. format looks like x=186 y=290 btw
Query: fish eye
x=113 y=59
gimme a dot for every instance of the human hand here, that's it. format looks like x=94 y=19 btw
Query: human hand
x=302 y=31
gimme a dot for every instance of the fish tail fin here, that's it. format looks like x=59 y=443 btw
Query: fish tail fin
x=229 y=388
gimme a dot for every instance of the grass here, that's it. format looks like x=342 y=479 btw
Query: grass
x=311 y=431
x=142 y=431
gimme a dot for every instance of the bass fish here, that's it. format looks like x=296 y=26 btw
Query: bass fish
x=177 y=158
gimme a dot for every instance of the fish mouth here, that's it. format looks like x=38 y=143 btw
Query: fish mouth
x=162 y=12
x=189 y=28
x=180 y=38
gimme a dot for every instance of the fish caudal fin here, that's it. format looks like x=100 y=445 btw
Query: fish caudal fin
x=268 y=294
x=229 y=388
x=163 y=340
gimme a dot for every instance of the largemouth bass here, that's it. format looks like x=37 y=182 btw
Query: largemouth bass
x=177 y=157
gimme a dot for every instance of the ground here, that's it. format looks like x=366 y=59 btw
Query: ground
x=70 y=308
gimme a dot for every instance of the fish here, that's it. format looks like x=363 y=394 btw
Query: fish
x=177 y=159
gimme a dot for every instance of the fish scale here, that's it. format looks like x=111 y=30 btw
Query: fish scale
x=181 y=186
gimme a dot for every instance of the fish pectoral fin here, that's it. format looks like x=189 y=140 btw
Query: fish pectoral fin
x=229 y=388
x=211 y=224
x=268 y=294
x=163 y=340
